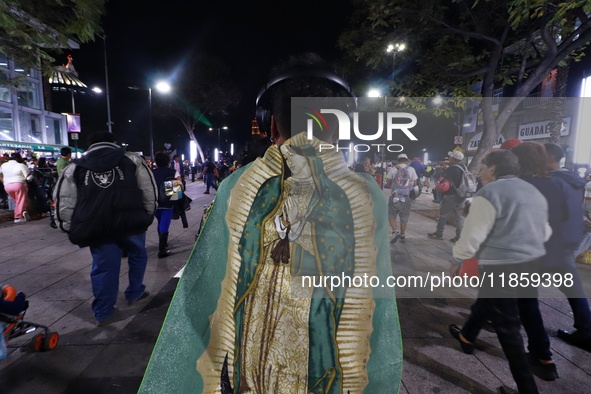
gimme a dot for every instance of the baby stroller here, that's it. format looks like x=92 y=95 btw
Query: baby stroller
x=13 y=306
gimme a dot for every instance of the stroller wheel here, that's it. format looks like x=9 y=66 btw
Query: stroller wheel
x=50 y=341
x=37 y=342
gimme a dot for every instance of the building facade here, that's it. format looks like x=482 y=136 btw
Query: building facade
x=25 y=125
x=531 y=120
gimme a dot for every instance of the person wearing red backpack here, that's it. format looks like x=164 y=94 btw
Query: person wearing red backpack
x=451 y=201
x=401 y=179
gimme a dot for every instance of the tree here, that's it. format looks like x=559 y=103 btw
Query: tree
x=452 y=44
x=203 y=95
x=29 y=29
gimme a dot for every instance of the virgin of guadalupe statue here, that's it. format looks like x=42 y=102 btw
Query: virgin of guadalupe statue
x=252 y=313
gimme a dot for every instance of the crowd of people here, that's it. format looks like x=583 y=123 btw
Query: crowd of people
x=523 y=193
x=239 y=324
x=26 y=183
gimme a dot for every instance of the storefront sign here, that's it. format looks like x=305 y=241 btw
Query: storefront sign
x=13 y=145
x=538 y=130
x=475 y=141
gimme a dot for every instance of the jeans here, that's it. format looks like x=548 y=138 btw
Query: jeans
x=451 y=203
x=106 y=267
x=209 y=181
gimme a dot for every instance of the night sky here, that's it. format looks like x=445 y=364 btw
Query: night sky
x=148 y=40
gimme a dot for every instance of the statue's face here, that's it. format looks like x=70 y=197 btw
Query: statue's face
x=297 y=164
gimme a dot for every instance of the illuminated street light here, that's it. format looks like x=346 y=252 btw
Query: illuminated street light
x=398 y=47
x=96 y=89
x=394 y=49
x=162 y=87
x=374 y=93
x=218 y=129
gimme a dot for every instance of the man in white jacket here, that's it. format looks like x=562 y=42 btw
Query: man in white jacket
x=506 y=229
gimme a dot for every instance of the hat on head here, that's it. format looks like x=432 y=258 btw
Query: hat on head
x=403 y=156
x=456 y=155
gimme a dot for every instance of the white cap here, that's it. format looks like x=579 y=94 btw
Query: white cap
x=456 y=155
x=403 y=156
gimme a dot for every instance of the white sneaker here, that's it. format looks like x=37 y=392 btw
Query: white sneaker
x=396 y=235
x=26 y=216
x=18 y=220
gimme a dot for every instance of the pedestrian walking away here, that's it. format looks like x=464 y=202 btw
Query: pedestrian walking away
x=106 y=200
x=505 y=209
x=209 y=170
x=401 y=179
x=15 y=173
x=572 y=232
x=452 y=202
x=237 y=323
x=165 y=177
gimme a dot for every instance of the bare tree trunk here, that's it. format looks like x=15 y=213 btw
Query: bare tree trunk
x=199 y=150
x=559 y=92
x=556 y=105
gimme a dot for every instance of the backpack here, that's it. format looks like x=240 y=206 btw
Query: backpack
x=171 y=190
x=442 y=185
x=401 y=184
x=467 y=186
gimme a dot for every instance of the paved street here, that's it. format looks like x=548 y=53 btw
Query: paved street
x=41 y=262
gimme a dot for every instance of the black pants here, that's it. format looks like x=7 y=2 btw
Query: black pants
x=500 y=305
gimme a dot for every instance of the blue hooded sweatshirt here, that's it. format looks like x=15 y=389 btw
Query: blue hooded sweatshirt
x=573 y=228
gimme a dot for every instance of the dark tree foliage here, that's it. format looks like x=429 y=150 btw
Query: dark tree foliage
x=451 y=44
x=32 y=29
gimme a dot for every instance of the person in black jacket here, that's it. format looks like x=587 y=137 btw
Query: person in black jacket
x=165 y=209
x=106 y=200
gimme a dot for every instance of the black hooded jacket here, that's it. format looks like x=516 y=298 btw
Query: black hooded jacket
x=115 y=196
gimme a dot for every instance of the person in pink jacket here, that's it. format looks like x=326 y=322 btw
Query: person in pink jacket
x=15 y=175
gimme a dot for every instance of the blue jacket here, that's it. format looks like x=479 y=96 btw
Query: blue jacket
x=419 y=169
x=573 y=186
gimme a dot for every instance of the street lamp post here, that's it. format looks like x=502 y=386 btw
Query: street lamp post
x=109 y=123
x=377 y=93
x=162 y=87
x=151 y=126
x=218 y=129
x=394 y=49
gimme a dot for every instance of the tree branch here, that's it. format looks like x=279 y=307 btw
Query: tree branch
x=469 y=74
x=465 y=33
x=524 y=57
x=547 y=37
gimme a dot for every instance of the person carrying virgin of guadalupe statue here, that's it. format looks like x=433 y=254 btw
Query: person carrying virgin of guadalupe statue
x=242 y=320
